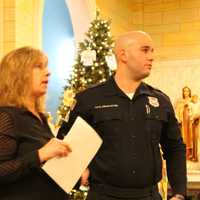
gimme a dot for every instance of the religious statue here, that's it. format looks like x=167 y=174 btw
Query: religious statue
x=187 y=110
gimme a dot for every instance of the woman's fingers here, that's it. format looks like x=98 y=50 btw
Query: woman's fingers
x=54 y=148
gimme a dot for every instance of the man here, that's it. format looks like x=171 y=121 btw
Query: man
x=132 y=118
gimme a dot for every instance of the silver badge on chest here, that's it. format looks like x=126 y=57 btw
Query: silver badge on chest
x=153 y=101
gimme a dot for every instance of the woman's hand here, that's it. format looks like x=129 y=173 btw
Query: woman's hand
x=54 y=148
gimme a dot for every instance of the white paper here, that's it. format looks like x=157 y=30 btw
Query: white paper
x=84 y=142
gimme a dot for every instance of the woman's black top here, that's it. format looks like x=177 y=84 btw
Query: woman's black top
x=21 y=176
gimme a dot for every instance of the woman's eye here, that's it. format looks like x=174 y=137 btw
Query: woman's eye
x=39 y=66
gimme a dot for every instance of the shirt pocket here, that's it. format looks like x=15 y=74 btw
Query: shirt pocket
x=107 y=122
x=104 y=116
x=154 y=123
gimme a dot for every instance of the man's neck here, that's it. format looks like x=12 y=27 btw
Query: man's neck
x=126 y=84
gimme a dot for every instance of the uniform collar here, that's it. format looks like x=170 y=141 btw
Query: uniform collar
x=144 y=88
x=112 y=89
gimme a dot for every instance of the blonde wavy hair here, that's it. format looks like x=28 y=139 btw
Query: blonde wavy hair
x=16 y=77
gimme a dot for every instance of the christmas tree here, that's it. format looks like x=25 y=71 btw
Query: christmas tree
x=94 y=63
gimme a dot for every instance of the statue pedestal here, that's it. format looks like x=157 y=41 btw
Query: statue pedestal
x=193 y=184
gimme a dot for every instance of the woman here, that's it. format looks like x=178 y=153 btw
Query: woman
x=25 y=137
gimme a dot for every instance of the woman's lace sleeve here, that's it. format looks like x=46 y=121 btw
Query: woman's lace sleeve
x=11 y=166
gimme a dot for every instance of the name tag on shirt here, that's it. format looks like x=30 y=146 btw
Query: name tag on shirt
x=106 y=106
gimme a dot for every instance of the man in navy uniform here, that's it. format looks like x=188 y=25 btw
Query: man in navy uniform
x=134 y=120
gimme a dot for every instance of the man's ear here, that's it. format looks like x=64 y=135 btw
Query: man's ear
x=122 y=55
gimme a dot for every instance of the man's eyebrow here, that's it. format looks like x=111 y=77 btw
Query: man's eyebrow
x=147 y=47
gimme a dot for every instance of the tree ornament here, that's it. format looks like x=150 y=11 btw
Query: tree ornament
x=88 y=57
x=111 y=62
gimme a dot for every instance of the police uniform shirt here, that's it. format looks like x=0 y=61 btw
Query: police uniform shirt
x=132 y=130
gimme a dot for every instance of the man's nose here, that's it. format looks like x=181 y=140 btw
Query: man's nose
x=151 y=56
